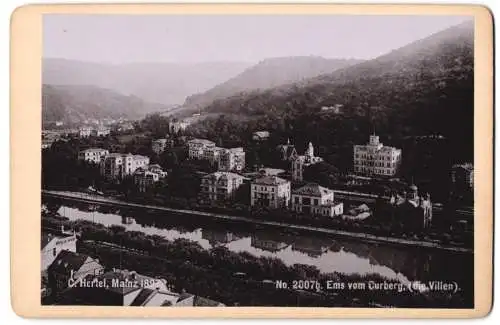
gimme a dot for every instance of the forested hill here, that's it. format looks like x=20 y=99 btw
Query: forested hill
x=76 y=103
x=423 y=88
x=270 y=73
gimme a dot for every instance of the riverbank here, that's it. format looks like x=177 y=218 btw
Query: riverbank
x=94 y=199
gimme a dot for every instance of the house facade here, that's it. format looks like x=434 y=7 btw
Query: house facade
x=197 y=148
x=317 y=200
x=93 y=155
x=270 y=191
x=376 y=159
x=116 y=166
x=53 y=244
x=220 y=186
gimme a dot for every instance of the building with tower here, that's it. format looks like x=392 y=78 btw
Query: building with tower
x=287 y=152
x=299 y=163
x=376 y=159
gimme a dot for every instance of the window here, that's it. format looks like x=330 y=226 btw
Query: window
x=315 y=201
x=297 y=200
x=54 y=251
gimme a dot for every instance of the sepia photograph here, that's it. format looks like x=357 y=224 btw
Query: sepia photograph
x=257 y=160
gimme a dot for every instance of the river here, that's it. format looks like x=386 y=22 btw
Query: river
x=324 y=252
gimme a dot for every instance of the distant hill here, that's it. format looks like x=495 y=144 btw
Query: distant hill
x=165 y=83
x=75 y=103
x=418 y=88
x=270 y=73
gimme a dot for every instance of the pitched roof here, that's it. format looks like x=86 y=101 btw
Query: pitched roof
x=199 y=301
x=141 y=298
x=67 y=260
x=312 y=189
x=270 y=180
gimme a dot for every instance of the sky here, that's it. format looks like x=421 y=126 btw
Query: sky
x=121 y=39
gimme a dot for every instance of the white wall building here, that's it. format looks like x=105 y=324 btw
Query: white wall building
x=220 y=186
x=376 y=159
x=93 y=155
x=270 y=191
x=84 y=132
x=53 y=244
x=101 y=132
x=197 y=148
x=116 y=166
x=299 y=163
x=315 y=199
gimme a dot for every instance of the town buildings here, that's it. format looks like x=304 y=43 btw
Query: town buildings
x=84 y=132
x=145 y=177
x=93 y=155
x=220 y=186
x=53 y=244
x=299 y=163
x=232 y=159
x=376 y=159
x=225 y=159
x=115 y=166
x=100 y=132
x=270 y=191
x=69 y=267
x=316 y=199
x=197 y=148
x=462 y=176
x=160 y=145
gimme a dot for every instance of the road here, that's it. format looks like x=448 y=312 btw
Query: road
x=88 y=198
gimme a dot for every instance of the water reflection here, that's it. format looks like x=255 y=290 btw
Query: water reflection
x=325 y=253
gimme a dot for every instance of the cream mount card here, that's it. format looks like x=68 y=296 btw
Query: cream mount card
x=267 y=161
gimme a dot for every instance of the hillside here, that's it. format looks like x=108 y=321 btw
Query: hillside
x=165 y=83
x=424 y=90
x=270 y=73
x=76 y=103
x=425 y=87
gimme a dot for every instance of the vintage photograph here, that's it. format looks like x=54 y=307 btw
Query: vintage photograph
x=258 y=160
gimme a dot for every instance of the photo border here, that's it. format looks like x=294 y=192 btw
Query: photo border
x=25 y=161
